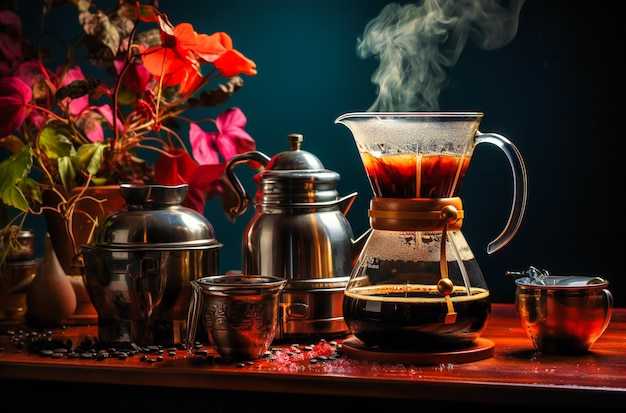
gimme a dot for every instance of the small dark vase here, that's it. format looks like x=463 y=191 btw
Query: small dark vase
x=50 y=298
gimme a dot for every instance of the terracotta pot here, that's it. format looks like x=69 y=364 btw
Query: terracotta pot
x=68 y=250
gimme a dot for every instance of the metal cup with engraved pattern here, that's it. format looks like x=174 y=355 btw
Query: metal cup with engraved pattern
x=238 y=312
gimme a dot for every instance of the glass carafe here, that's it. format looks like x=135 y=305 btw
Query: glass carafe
x=416 y=284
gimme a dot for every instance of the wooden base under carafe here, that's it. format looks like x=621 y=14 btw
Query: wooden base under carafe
x=480 y=349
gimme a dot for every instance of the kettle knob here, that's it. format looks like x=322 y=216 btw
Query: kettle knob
x=295 y=141
x=295 y=159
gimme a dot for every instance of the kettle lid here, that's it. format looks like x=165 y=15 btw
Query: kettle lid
x=296 y=177
x=295 y=158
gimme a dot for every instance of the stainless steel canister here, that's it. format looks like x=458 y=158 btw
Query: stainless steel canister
x=139 y=269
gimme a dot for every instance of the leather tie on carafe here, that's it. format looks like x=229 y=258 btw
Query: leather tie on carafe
x=422 y=214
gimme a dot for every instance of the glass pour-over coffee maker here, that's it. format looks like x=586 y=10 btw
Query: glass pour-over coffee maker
x=416 y=284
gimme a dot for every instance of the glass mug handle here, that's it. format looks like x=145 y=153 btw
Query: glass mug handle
x=608 y=309
x=520 y=187
x=195 y=309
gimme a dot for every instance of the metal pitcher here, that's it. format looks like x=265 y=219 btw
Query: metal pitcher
x=299 y=232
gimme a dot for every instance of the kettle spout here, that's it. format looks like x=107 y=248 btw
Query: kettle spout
x=344 y=204
x=358 y=244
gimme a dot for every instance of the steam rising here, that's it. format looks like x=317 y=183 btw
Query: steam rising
x=414 y=43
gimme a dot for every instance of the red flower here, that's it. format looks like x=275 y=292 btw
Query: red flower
x=174 y=168
x=179 y=168
x=177 y=60
x=232 y=63
x=137 y=78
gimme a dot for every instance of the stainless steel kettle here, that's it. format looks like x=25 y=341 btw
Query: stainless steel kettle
x=299 y=232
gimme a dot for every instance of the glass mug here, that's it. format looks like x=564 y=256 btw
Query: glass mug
x=563 y=314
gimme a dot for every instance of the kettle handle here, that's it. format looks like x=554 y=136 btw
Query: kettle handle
x=520 y=187
x=243 y=199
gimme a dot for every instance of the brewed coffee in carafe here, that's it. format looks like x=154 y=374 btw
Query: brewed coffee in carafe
x=416 y=284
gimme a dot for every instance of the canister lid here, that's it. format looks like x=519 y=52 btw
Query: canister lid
x=562 y=281
x=155 y=219
x=23 y=249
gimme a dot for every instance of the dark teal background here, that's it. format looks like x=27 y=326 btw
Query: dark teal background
x=556 y=90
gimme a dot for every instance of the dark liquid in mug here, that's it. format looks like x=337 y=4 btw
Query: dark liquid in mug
x=415 y=176
x=411 y=317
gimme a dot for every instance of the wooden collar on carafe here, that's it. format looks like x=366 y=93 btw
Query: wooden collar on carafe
x=416 y=214
x=422 y=214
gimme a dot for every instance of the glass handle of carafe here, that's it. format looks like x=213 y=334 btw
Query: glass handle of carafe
x=520 y=187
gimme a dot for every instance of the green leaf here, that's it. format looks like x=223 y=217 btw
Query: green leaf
x=108 y=35
x=89 y=157
x=216 y=97
x=147 y=13
x=99 y=181
x=15 y=170
x=12 y=143
x=54 y=142
x=126 y=96
x=31 y=189
x=67 y=171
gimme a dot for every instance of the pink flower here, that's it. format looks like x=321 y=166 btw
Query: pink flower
x=229 y=140
x=14 y=95
x=203 y=174
x=77 y=105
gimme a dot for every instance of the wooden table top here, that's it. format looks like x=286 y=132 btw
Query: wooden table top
x=513 y=373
